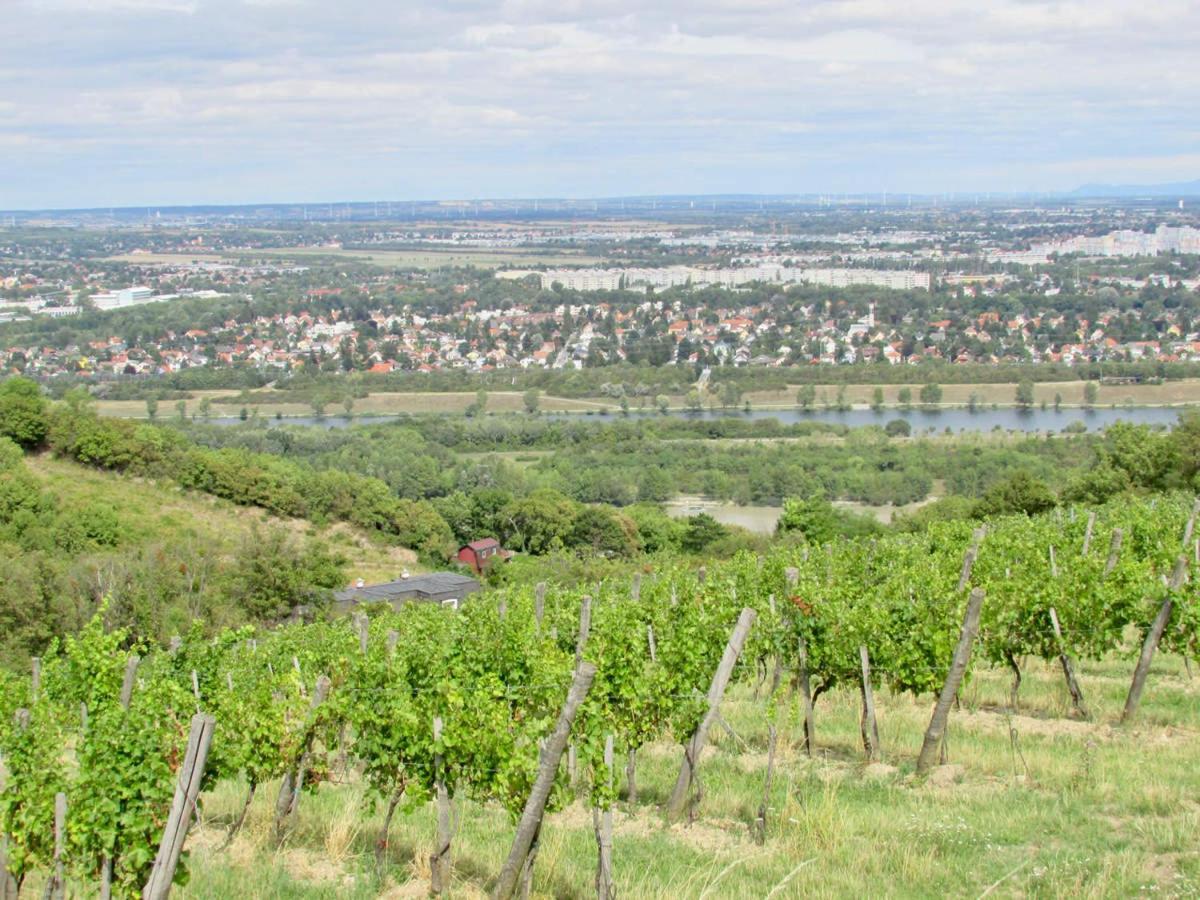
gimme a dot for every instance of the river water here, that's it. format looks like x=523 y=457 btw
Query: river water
x=984 y=419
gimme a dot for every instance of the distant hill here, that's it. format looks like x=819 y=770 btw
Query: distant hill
x=1173 y=189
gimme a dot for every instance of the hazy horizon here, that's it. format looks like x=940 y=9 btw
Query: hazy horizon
x=229 y=102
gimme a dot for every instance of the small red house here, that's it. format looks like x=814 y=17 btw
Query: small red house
x=482 y=553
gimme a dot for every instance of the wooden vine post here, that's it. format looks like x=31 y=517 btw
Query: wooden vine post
x=602 y=822
x=56 y=887
x=805 y=680
x=8 y=884
x=439 y=861
x=868 y=726
x=1114 y=551
x=187 y=789
x=759 y=828
x=1153 y=636
x=1190 y=527
x=585 y=626
x=535 y=805
x=958 y=668
x=127 y=684
x=695 y=744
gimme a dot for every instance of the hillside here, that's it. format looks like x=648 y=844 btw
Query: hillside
x=160 y=557
x=159 y=511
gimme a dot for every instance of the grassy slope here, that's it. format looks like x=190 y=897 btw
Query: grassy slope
x=1064 y=808
x=151 y=511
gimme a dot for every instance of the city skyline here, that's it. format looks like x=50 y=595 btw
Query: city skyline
x=182 y=102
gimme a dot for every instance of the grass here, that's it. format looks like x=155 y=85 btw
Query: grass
x=162 y=512
x=1033 y=804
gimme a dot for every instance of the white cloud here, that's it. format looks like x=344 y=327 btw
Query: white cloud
x=932 y=91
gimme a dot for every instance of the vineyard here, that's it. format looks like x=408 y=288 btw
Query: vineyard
x=456 y=729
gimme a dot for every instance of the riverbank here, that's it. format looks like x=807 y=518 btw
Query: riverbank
x=1065 y=396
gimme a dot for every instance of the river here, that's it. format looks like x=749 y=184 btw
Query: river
x=960 y=419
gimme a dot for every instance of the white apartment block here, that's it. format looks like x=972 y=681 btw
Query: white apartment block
x=681 y=276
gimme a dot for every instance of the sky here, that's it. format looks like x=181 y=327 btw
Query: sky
x=172 y=102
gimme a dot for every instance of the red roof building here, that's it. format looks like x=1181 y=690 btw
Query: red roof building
x=481 y=554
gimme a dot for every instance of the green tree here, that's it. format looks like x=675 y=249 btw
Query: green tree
x=79 y=400
x=348 y=405
x=655 y=485
x=657 y=531
x=806 y=396
x=477 y=408
x=700 y=531
x=1025 y=394
x=877 y=399
x=538 y=522
x=181 y=410
x=931 y=394
x=819 y=521
x=904 y=398
x=663 y=402
x=603 y=530
x=152 y=407
x=1091 y=394
x=897 y=428
x=1021 y=492
x=272 y=574
x=532 y=400
x=23 y=414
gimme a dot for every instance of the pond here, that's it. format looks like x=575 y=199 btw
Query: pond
x=759 y=519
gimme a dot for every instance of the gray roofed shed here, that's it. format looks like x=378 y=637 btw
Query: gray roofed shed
x=435 y=587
